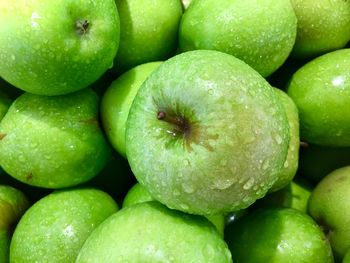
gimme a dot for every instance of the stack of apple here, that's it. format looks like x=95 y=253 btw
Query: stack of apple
x=174 y=131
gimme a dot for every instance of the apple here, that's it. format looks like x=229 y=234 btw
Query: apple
x=53 y=142
x=322 y=27
x=295 y=195
x=55 y=228
x=329 y=206
x=321 y=91
x=139 y=194
x=13 y=204
x=277 y=235
x=57 y=47
x=206 y=134
x=290 y=165
x=148 y=31
x=117 y=100
x=260 y=33
x=5 y=103
x=316 y=162
x=150 y=232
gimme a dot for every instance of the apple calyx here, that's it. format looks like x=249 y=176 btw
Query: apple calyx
x=180 y=123
x=82 y=26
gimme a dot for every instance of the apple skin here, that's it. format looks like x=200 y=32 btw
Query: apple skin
x=317 y=161
x=151 y=232
x=139 y=194
x=13 y=203
x=329 y=206
x=148 y=31
x=322 y=27
x=55 y=228
x=117 y=100
x=53 y=142
x=290 y=165
x=45 y=51
x=5 y=103
x=277 y=235
x=321 y=91
x=260 y=33
x=206 y=134
x=295 y=195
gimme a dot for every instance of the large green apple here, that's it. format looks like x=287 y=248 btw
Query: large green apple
x=148 y=31
x=151 y=233
x=55 y=228
x=57 y=47
x=117 y=100
x=321 y=91
x=329 y=206
x=261 y=33
x=53 y=142
x=277 y=235
x=13 y=204
x=317 y=161
x=322 y=27
x=206 y=134
x=139 y=194
x=290 y=165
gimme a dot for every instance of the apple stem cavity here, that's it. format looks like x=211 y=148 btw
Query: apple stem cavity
x=82 y=26
x=181 y=125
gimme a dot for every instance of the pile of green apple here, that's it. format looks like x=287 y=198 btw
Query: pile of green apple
x=175 y=131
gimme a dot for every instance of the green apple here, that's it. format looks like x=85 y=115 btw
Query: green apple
x=290 y=165
x=13 y=204
x=5 y=103
x=260 y=33
x=317 y=161
x=277 y=235
x=148 y=31
x=151 y=233
x=55 y=228
x=206 y=134
x=53 y=142
x=139 y=194
x=322 y=27
x=329 y=206
x=57 y=47
x=321 y=91
x=295 y=195
x=117 y=100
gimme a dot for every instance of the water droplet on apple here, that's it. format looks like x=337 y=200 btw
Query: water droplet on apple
x=265 y=164
x=278 y=139
x=13 y=57
x=249 y=184
x=223 y=183
x=208 y=251
x=188 y=188
x=184 y=207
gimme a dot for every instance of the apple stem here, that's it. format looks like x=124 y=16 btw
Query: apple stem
x=180 y=123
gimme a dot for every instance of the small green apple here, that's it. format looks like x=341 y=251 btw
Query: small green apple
x=150 y=232
x=277 y=235
x=290 y=165
x=53 y=142
x=117 y=100
x=57 y=47
x=329 y=206
x=322 y=27
x=321 y=91
x=295 y=195
x=139 y=194
x=13 y=204
x=317 y=161
x=55 y=228
x=5 y=103
x=206 y=134
x=260 y=33
x=148 y=31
